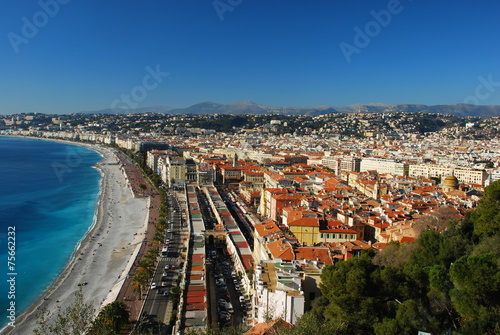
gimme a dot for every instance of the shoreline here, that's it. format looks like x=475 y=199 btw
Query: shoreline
x=84 y=265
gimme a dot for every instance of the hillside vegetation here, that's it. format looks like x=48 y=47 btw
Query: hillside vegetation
x=444 y=283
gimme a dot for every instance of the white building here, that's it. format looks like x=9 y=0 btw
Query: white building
x=464 y=175
x=384 y=166
x=277 y=292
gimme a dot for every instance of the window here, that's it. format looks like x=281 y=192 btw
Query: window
x=322 y=235
x=327 y=235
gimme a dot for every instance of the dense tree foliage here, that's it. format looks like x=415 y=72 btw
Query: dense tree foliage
x=111 y=319
x=448 y=281
x=487 y=215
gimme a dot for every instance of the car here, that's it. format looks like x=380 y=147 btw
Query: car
x=237 y=286
x=164 y=274
x=222 y=301
x=153 y=286
x=167 y=266
x=242 y=299
x=170 y=231
x=172 y=267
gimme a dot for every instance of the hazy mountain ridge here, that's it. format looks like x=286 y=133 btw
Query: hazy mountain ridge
x=249 y=107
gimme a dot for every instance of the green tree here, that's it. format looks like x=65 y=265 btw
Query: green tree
x=310 y=324
x=486 y=216
x=394 y=254
x=352 y=294
x=111 y=319
x=75 y=319
x=490 y=244
x=476 y=295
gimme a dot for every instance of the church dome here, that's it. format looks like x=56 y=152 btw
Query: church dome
x=450 y=183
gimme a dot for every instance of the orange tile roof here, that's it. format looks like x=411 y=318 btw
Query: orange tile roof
x=321 y=255
x=269 y=328
x=281 y=249
x=266 y=228
x=308 y=222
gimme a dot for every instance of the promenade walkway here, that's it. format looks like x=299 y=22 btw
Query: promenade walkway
x=141 y=188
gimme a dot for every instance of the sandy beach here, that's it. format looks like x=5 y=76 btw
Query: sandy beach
x=105 y=254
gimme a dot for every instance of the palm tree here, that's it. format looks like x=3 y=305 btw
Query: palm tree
x=113 y=317
x=137 y=284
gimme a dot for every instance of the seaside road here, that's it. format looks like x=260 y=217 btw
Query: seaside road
x=164 y=278
x=158 y=305
x=157 y=301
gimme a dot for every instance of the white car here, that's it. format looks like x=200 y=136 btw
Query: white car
x=153 y=286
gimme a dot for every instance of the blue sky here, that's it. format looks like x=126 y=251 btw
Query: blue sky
x=86 y=55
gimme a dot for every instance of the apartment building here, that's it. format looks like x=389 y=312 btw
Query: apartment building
x=205 y=174
x=464 y=175
x=278 y=293
x=384 y=166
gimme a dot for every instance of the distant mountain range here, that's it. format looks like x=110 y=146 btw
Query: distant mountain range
x=249 y=107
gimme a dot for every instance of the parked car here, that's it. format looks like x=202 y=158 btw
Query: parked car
x=153 y=286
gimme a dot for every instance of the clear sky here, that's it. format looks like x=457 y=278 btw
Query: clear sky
x=66 y=56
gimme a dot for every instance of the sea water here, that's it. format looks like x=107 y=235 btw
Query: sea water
x=48 y=199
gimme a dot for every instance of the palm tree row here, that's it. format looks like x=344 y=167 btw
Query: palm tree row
x=147 y=264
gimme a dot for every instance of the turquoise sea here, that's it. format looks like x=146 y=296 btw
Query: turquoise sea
x=48 y=198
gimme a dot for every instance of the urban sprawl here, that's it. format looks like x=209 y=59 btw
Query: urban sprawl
x=288 y=195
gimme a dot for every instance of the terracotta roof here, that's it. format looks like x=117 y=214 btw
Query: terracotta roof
x=308 y=222
x=281 y=249
x=321 y=255
x=266 y=228
x=269 y=328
